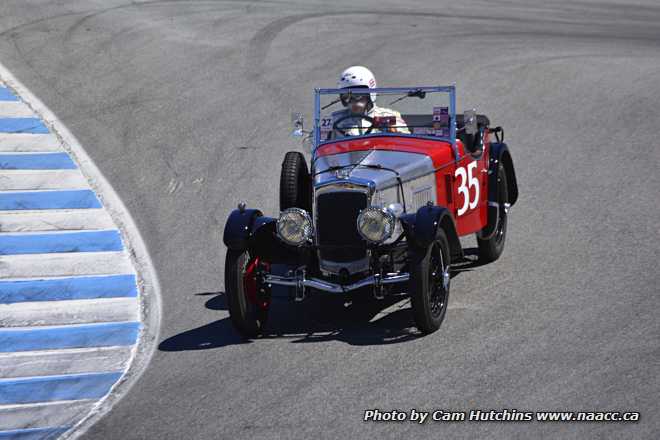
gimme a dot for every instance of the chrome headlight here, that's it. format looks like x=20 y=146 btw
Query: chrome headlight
x=294 y=226
x=376 y=224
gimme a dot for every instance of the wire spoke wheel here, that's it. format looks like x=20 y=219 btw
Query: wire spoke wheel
x=430 y=284
x=438 y=282
x=248 y=312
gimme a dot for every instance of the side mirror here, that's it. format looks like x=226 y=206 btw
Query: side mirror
x=470 y=121
x=297 y=121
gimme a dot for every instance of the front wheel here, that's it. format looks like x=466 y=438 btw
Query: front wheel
x=247 y=309
x=429 y=285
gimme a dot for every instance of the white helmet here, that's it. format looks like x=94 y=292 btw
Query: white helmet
x=358 y=76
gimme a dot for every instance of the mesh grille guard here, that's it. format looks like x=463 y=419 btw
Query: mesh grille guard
x=338 y=240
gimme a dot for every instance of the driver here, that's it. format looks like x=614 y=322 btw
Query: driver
x=365 y=104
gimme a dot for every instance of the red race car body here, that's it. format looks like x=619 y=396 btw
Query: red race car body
x=379 y=207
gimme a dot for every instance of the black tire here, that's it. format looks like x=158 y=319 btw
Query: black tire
x=295 y=183
x=491 y=249
x=248 y=318
x=430 y=284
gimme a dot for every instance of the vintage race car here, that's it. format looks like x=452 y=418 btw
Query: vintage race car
x=379 y=209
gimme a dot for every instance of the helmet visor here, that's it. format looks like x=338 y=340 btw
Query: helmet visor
x=350 y=98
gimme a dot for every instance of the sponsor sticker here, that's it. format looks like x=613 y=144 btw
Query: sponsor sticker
x=440 y=121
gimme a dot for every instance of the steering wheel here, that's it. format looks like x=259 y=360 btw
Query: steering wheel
x=354 y=116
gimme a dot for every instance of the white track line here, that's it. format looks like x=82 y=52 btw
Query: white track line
x=15 y=109
x=134 y=257
x=55 y=220
x=72 y=264
x=43 y=415
x=45 y=233
x=81 y=311
x=18 y=180
x=67 y=361
x=17 y=142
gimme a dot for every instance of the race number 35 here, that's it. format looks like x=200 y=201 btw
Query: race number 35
x=468 y=180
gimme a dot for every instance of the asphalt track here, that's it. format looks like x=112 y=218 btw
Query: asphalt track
x=184 y=106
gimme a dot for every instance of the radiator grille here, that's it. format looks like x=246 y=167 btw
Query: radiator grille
x=336 y=225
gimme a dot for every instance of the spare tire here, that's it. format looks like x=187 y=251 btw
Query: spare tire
x=295 y=183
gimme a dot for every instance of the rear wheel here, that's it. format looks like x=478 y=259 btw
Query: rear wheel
x=295 y=183
x=247 y=309
x=429 y=285
x=491 y=248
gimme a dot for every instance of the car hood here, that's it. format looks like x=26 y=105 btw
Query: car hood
x=363 y=165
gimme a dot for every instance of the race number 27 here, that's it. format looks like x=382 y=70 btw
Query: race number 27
x=468 y=180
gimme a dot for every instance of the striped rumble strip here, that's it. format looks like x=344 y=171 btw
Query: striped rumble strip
x=69 y=300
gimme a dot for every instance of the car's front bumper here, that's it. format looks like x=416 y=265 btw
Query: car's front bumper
x=300 y=282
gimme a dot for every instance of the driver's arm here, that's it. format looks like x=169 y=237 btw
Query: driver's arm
x=401 y=125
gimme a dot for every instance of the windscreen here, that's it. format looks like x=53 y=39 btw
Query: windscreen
x=359 y=112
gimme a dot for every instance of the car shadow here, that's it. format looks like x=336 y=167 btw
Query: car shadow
x=366 y=321
x=216 y=334
x=216 y=302
x=213 y=335
x=469 y=262
x=320 y=318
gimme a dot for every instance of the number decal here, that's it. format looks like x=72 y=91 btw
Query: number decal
x=326 y=127
x=468 y=180
x=462 y=189
x=473 y=181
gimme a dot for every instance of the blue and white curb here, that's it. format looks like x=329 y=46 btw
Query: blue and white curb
x=79 y=301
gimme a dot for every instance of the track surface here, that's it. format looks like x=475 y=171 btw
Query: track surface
x=184 y=105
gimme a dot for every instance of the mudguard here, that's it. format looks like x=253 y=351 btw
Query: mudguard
x=249 y=229
x=240 y=227
x=269 y=247
x=499 y=153
x=421 y=228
